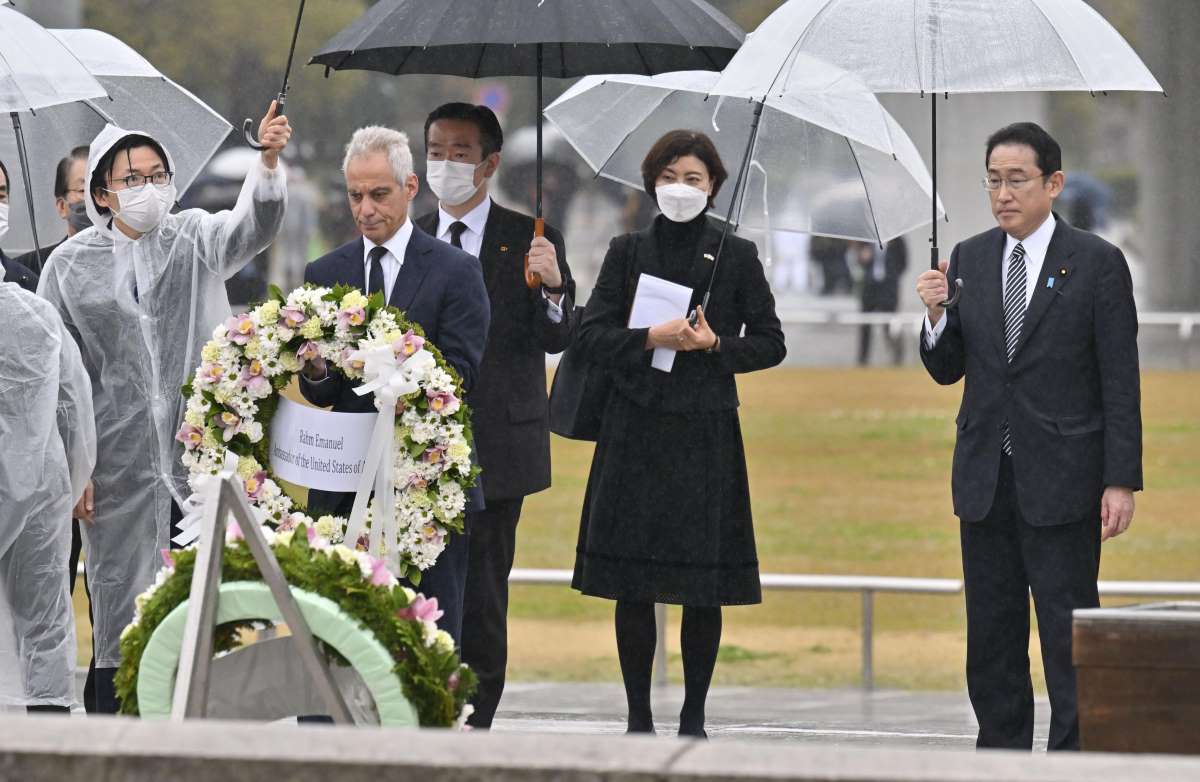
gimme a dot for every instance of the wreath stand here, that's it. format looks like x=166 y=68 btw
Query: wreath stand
x=224 y=497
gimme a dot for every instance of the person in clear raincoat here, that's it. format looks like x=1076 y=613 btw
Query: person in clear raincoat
x=49 y=449
x=141 y=291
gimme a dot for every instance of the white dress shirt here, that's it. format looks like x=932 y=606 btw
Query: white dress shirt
x=472 y=240
x=392 y=260
x=1036 y=245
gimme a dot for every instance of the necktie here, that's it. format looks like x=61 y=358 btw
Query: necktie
x=456 y=232
x=1014 y=315
x=375 y=280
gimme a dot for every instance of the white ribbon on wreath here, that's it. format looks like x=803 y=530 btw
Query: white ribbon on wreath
x=193 y=506
x=390 y=380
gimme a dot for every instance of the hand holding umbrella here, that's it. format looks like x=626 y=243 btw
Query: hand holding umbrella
x=273 y=133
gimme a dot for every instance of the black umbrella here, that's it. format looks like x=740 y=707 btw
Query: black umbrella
x=558 y=38
x=281 y=99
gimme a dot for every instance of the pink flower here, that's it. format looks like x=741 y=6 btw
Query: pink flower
x=408 y=344
x=210 y=373
x=444 y=403
x=432 y=456
x=288 y=523
x=240 y=328
x=421 y=609
x=168 y=561
x=308 y=351
x=452 y=682
x=190 y=436
x=355 y=316
x=230 y=423
x=252 y=379
x=255 y=484
x=380 y=575
x=293 y=316
x=234 y=532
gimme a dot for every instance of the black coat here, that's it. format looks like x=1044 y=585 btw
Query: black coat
x=35 y=260
x=1071 y=394
x=666 y=517
x=884 y=295
x=19 y=273
x=440 y=288
x=508 y=400
x=698 y=381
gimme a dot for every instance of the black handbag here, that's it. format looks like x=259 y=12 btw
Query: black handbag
x=578 y=394
x=581 y=387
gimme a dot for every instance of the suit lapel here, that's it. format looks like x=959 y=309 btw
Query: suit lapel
x=1058 y=264
x=497 y=249
x=993 y=293
x=356 y=254
x=412 y=272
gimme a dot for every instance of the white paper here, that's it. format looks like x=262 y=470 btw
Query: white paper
x=317 y=448
x=657 y=301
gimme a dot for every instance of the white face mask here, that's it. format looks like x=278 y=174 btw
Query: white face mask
x=3 y=220
x=143 y=208
x=452 y=182
x=679 y=202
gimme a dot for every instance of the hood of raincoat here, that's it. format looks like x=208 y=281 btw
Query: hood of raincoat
x=104 y=141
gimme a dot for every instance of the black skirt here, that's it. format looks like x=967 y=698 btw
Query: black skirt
x=666 y=517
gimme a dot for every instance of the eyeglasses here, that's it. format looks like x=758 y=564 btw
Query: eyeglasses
x=138 y=180
x=1016 y=185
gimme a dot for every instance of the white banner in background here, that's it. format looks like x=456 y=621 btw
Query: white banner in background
x=319 y=449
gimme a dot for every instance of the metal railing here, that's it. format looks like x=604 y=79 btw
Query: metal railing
x=867 y=587
x=897 y=323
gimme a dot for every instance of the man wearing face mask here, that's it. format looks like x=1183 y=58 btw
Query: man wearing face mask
x=14 y=271
x=69 y=188
x=508 y=402
x=141 y=293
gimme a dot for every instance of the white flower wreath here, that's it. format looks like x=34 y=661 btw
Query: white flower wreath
x=252 y=357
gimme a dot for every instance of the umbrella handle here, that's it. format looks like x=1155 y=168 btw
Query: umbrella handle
x=533 y=280
x=248 y=124
x=954 y=295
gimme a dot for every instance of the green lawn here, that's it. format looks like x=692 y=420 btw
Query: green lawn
x=849 y=471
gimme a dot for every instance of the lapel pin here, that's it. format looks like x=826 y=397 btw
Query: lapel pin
x=1062 y=272
x=504 y=248
x=1050 y=282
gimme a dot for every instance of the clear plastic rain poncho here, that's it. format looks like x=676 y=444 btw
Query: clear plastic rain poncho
x=47 y=451
x=141 y=310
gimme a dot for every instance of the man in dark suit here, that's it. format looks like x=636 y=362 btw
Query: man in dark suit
x=881 y=271
x=13 y=270
x=436 y=285
x=508 y=402
x=69 y=189
x=1049 y=445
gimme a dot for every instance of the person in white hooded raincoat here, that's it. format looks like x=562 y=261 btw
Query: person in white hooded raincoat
x=142 y=291
x=49 y=438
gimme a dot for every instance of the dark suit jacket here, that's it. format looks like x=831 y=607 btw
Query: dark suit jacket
x=440 y=287
x=508 y=400
x=19 y=273
x=698 y=381
x=1071 y=394
x=34 y=260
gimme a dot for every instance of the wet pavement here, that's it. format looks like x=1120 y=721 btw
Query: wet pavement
x=882 y=718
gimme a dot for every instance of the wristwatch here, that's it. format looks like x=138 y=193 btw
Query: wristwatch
x=559 y=290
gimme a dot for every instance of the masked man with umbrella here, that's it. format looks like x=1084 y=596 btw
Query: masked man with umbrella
x=142 y=291
x=508 y=403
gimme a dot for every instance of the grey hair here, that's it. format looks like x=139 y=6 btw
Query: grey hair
x=376 y=138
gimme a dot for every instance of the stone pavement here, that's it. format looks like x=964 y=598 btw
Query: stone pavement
x=885 y=718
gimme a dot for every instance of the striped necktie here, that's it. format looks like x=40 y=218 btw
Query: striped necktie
x=1014 y=315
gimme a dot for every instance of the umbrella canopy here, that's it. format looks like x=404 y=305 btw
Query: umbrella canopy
x=140 y=97
x=827 y=159
x=945 y=46
x=36 y=70
x=576 y=38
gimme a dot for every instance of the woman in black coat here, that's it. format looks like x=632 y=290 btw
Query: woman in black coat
x=666 y=517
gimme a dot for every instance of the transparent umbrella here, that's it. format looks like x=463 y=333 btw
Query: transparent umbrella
x=946 y=46
x=826 y=158
x=36 y=72
x=139 y=97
